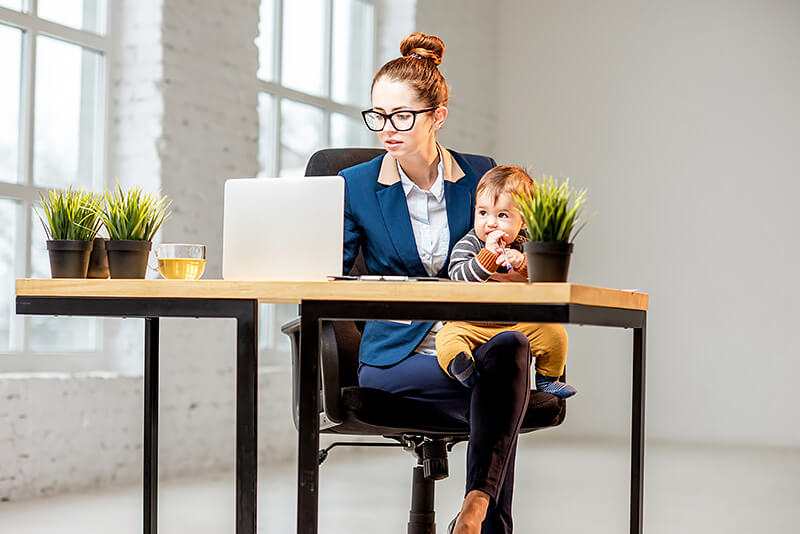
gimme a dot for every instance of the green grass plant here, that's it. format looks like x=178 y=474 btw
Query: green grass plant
x=133 y=215
x=553 y=211
x=70 y=214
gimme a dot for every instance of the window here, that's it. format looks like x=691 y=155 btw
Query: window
x=52 y=119
x=316 y=61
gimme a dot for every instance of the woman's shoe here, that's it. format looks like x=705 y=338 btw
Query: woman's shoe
x=452 y=525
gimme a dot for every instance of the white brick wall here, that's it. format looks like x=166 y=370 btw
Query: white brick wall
x=183 y=101
x=183 y=119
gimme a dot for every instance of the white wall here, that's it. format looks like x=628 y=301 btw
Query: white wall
x=670 y=115
x=183 y=120
x=469 y=66
x=682 y=120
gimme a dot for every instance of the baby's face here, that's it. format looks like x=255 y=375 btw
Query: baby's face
x=500 y=215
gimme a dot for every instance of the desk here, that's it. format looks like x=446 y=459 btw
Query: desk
x=320 y=301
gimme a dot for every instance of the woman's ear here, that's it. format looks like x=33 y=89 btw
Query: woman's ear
x=439 y=116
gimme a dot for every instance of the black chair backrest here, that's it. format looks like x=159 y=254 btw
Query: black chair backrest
x=328 y=162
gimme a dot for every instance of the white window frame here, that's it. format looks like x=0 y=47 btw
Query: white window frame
x=271 y=353
x=279 y=91
x=23 y=359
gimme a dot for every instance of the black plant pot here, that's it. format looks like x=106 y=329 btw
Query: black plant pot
x=69 y=258
x=127 y=258
x=548 y=261
x=98 y=261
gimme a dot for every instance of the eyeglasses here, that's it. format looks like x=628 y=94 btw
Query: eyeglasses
x=402 y=121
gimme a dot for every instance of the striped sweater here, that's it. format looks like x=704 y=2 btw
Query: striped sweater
x=470 y=261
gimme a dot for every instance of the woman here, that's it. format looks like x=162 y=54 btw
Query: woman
x=405 y=211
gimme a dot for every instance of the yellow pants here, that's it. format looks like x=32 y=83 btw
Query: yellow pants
x=548 y=342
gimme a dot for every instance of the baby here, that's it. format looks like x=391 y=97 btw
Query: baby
x=478 y=255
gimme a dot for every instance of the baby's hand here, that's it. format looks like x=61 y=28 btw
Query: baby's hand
x=493 y=239
x=515 y=257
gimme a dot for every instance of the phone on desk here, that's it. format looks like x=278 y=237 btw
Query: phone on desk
x=387 y=278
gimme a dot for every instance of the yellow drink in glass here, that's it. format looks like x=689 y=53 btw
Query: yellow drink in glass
x=181 y=268
x=178 y=261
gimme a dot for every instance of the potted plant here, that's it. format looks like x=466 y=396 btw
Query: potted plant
x=552 y=214
x=132 y=218
x=71 y=223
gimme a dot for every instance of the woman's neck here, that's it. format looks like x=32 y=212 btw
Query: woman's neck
x=422 y=167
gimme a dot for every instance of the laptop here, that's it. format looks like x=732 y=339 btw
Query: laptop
x=283 y=229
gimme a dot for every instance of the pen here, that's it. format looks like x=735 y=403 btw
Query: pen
x=503 y=250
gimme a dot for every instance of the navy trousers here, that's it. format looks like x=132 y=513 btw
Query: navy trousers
x=494 y=409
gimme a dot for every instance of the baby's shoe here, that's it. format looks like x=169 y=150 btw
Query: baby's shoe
x=463 y=369
x=551 y=384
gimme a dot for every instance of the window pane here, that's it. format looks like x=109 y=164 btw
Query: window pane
x=68 y=108
x=352 y=67
x=10 y=67
x=265 y=330
x=302 y=133
x=266 y=39
x=273 y=344
x=266 y=135
x=347 y=131
x=283 y=313
x=12 y=4
x=80 y=14
x=9 y=217
x=56 y=334
x=303 y=50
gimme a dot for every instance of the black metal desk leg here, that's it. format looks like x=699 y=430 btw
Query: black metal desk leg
x=150 y=495
x=308 y=446
x=637 y=430
x=247 y=418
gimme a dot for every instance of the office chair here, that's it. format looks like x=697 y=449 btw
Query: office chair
x=413 y=425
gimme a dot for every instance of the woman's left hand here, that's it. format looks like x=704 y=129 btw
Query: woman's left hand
x=515 y=257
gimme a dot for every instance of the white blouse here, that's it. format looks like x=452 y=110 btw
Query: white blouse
x=428 y=219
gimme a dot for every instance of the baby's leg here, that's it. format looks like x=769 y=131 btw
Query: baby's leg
x=454 y=345
x=549 y=348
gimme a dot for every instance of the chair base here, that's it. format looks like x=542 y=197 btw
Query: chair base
x=431 y=466
x=422 y=517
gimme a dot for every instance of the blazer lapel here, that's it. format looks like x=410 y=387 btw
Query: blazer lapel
x=458 y=199
x=392 y=201
x=394 y=208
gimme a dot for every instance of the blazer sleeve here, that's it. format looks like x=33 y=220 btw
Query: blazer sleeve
x=353 y=234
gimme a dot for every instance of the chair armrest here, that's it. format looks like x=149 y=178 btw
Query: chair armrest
x=330 y=386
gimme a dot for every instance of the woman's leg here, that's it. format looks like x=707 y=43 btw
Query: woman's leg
x=419 y=377
x=494 y=408
x=497 y=407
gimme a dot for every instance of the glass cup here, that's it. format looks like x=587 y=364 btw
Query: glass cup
x=177 y=261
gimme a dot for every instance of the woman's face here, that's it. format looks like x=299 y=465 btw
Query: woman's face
x=389 y=96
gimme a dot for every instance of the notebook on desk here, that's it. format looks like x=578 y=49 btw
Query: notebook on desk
x=283 y=229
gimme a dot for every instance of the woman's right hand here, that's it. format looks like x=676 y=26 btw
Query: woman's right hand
x=493 y=239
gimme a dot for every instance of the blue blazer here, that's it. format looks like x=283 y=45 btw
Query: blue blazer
x=377 y=221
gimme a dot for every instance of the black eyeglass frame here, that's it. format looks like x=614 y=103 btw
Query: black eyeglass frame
x=389 y=117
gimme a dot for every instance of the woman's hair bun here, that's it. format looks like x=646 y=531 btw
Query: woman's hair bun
x=424 y=45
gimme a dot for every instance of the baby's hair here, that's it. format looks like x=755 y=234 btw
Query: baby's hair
x=419 y=67
x=505 y=179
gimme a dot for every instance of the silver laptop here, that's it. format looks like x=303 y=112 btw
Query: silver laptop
x=282 y=229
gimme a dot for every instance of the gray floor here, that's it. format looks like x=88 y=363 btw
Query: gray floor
x=562 y=487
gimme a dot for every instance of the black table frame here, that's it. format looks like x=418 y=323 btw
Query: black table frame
x=245 y=311
x=313 y=312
